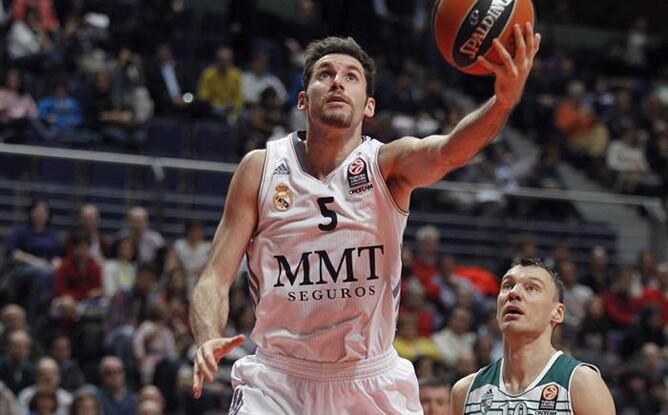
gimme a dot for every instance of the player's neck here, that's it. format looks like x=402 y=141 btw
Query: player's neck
x=326 y=148
x=523 y=361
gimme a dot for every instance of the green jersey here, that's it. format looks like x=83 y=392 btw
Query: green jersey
x=548 y=394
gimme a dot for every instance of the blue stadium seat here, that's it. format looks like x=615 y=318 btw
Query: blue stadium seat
x=109 y=175
x=58 y=171
x=165 y=138
x=211 y=183
x=214 y=141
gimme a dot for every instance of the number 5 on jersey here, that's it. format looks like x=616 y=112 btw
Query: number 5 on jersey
x=328 y=213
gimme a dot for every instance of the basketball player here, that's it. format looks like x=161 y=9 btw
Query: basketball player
x=320 y=215
x=532 y=377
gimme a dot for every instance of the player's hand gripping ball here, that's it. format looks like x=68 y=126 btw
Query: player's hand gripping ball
x=464 y=30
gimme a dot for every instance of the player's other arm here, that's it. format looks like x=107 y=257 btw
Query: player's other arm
x=210 y=301
x=410 y=162
x=458 y=394
x=589 y=394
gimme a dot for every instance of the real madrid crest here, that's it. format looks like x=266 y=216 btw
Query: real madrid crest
x=282 y=199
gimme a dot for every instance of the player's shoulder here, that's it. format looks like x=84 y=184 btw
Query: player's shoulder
x=253 y=159
x=586 y=375
x=589 y=393
x=459 y=392
x=463 y=385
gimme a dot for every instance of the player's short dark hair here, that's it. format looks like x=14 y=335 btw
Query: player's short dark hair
x=434 y=383
x=347 y=46
x=535 y=262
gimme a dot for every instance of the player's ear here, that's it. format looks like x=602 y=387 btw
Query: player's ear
x=558 y=313
x=370 y=107
x=301 y=101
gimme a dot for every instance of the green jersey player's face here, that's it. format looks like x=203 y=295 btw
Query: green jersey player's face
x=527 y=302
x=336 y=95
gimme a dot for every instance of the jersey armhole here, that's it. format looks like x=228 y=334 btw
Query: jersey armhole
x=383 y=184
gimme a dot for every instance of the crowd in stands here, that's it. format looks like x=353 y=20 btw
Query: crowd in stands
x=102 y=320
x=95 y=323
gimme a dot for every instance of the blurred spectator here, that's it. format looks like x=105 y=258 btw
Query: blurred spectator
x=425 y=264
x=120 y=271
x=85 y=403
x=18 y=111
x=13 y=318
x=598 y=275
x=435 y=396
x=79 y=275
x=71 y=376
x=447 y=283
x=193 y=250
x=151 y=393
x=220 y=85
x=44 y=402
x=243 y=16
x=149 y=407
x=545 y=174
x=152 y=341
x=645 y=274
x=413 y=302
x=168 y=82
x=148 y=242
x=586 y=139
x=648 y=329
x=620 y=306
x=633 y=395
x=258 y=78
x=129 y=88
x=455 y=339
x=44 y=10
x=29 y=45
x=626 y=160
x=8 y=404
x=34 y=251
x=267 y=121
x=16 y=370
x=62 y=114
x=408 y=344
x=113 y=393
x=658 y=293
x=88 y=227
x=47 y=379
x=576 y=297
x=637 y=44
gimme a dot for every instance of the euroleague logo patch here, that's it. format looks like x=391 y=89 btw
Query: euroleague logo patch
x=358 y=177
x=548 y=397
x=282 y=199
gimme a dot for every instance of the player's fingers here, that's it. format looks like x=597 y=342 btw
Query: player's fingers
x=507 y=60
x=197 y=383
x=520 y=46
x=227 y=347
x=530 y=38
x=493 y=67
x=204 y=370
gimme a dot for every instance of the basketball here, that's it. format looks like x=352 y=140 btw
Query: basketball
x=464 y=29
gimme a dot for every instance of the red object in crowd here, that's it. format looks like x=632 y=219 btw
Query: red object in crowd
x=47 y=13
x=483 y=280
x=77 y=283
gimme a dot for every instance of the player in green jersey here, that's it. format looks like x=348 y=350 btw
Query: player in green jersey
x=532 y=378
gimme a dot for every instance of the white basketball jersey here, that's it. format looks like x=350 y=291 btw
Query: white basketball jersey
x=324 y=263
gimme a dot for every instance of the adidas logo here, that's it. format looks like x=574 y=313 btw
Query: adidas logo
x=281 y=169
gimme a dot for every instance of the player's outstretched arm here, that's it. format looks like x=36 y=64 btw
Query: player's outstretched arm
x=458 y=394
x=589 y=394
x=411 y=162
x=209 y=305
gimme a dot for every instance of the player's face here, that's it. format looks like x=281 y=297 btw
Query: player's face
x=435 y=400
x=527 y=301
x=336 y=95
